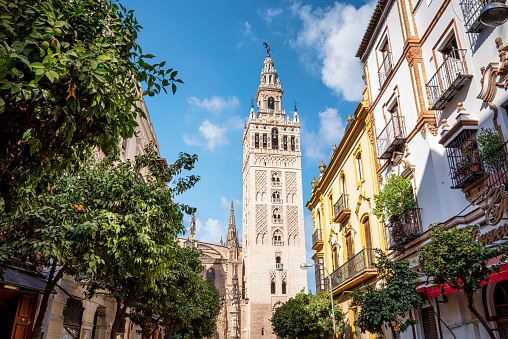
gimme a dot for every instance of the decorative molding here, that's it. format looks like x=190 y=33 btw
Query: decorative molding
x=423 y=131
x=432 y=127
x=361 y=197
x=413 y=52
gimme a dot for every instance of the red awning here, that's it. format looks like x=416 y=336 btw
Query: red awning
x=431 y=291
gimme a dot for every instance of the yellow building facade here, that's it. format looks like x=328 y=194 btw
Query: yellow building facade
x=345 y=231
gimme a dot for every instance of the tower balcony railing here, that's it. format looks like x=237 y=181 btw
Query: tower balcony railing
x=391 y=137
x=354 y=267
x=404 y=228
x=276 y=201
x=317 y=239
x=278 y=243
x=276 y=221
x=271 y=111
x=276 y=183
x=341 y=210
x=385 y=69
x=451 y=76
x=279 y=266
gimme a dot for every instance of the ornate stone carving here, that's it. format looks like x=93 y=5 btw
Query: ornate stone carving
x=412 y=53
x=423 y=131
x=292 y=221
x=261 y=220
x=432 y=127
x=291 y=182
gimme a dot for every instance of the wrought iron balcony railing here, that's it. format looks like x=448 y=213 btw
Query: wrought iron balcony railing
x=360 y=262
x=277 y=220
x=404 y=228
x=463 y=159
x=276 y=183
x=278 y=242
x=449 y=79
x=317 y=239
x=391 y=137
x=341 y=208
x=496 y=164
x=471 y=12
x=385 y=69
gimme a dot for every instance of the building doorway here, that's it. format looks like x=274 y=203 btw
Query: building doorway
x=501 y=302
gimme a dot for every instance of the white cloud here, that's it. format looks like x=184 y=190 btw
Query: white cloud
x=215 y=104
x=235 y=122
x=270 y=14
x=226 y=204
x=247 y=28
x=211 y=231
x=332 y=35
x=210 y=135
x=318 y=145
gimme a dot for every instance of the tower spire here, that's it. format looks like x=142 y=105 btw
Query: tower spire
x=192 y=230
x=232 y=238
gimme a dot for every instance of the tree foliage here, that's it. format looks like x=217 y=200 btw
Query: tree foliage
x=455 y=258
x=105 y=221
x=394 y=198
x=69 y=74
x=306 y=316
x=392 y=300
x=185 y=303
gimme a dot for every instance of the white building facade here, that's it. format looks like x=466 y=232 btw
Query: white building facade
x=436 y=77
x=273 y=228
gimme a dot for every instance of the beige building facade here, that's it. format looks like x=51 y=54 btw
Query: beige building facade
x=273 y=228
x=346 y=233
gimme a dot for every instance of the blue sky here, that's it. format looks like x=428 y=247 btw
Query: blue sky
x=217 y=47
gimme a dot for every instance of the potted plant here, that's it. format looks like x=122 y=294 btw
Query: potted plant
x=490 y=150
x=395 y=198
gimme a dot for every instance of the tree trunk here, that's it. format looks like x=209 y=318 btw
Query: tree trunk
x=120 y=312
x=478 y=315
x=52 y=281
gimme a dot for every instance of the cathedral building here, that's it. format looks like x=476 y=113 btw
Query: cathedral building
x=273 y=225
x=223 y=267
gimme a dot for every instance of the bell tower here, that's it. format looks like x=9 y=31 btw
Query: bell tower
x=273 y=245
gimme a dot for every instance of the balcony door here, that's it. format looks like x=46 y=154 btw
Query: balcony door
x=350 y=255
x=452 y=64
x=368 y=241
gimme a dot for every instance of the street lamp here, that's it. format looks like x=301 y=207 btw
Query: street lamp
x=495 y=13
x=304 y=266
x=234 y=296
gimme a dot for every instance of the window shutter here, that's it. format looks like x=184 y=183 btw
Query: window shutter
x=429 y=324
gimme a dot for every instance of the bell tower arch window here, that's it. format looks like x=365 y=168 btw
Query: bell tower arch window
x=271 y=102
x=275 y=139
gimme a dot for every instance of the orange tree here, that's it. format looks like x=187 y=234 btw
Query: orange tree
x=69 y=81
x=457 y=259
x=105 y=216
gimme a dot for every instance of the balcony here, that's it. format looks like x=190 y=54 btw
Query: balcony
x=391 y=138
x=385 y=69
x=279 y=266
x=276 y=183
x=471 y=11
x=276 y=221
x=317 y=239
x=496 y=164
x=404 y=228
x=463 y=160
x=341 y=209
x=276 y=201
x=449 y=79
x=359 y=267
x=278 y=243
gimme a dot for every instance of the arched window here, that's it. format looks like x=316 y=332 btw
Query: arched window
x=342 y=184
x=265 y=141
x=277 y=260
x=262 y=331
x=501 y=302
x=359 y=167
x=275 y=139
x=276 y=197
x=276 y=179
x=272 y=287
x=285 y=143
x=72 y=317
x=210 y=275
x=277 y=238
x=271 y=103
x=284 y=287
x=335 y=257
x=276 y=216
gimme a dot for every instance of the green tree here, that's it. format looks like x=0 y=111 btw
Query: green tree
x=394 y=198
x=457 y=259
x=101 y=215
x=69 y=82
x=306 y=316
x=392 y=300
x=183 y=301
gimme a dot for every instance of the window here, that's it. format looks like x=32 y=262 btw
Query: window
x=276 y=179
x=343 y=184
x=272 y=287
x=276 y=216
x=277 y=238
x=386 y=61
x=359 y=167
x=265 y=141
x=429 y=323
x=285 y=142
x=283 y=287
x=335 y=257
x=277 y=260
x=276 y=197
x=293 y=144
x=320 y=275
x=256 y=140
x=210 y=275
x=275 y=139
x=262 y=331
x=72 y=316
x=271 y=103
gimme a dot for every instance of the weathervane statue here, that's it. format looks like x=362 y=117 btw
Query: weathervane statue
x=268 y=49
